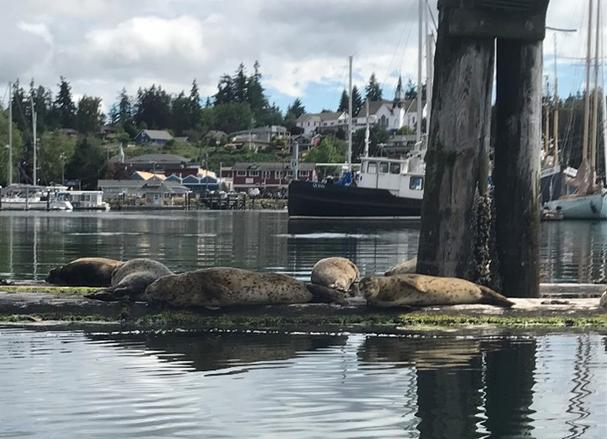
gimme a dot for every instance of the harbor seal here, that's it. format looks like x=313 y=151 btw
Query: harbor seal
x=423 y=290
x=406 y=267
x=339 y=274
x=130 y=280
x=224 y=286
x=84 y=272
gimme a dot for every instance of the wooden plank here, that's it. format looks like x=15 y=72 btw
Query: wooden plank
x=517 y=166
x=463 y=80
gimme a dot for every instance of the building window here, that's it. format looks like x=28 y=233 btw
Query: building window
x=372 y=168
x=383 y=167
x=241 y=173
x=266 y=174
x=416 y=183
x=394 y=168
x=303 y=173
x=253 y=173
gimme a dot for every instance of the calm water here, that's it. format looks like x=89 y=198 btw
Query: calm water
x=33 y=242
x=72 y=384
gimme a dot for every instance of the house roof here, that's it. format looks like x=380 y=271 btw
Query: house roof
x=158 y=158
x=330 y=115
x=148 y=175
x=410 y=105
x=168 y=186
x=270 y=166
x=158 y=134
x=308 y=116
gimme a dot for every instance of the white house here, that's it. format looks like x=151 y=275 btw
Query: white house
x=392 y=115
x=313 y=123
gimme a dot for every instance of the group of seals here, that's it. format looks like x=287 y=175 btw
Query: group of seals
x=332 y=280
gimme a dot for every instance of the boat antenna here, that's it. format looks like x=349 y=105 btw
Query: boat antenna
x=349 y=156
x=10 y=133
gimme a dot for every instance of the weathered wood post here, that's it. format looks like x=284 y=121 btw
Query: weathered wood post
x=458 y=140
x=517 y=165
x=463 y=78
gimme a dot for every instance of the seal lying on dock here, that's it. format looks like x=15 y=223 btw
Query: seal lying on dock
x=223 y=286
x=422 y=290
x=333 y=279
x=84 y=272
x=130 y=280
x=406 y=267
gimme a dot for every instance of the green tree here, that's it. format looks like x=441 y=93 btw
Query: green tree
x=153 y=108
x=22 y=110
x=55 y=151
x=256 y=96
x=411 y=92
x=373 y=89
x=294 y=111
x=17 y=149
x=225 y=91
x=232 y=117
x=64 y=110
x=181 y=114
x=240 y=83
x=330 y=150
x=194 y=107
x=377 y=136
x=43 y=103
x=86 y=164
x=89 y=118
x=344 y=102
x=357 y=101
x=121 y=114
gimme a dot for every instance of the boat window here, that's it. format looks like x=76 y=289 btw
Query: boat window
x=394 y=168
x=383 y=167
x=416 y=183
x=372 y=168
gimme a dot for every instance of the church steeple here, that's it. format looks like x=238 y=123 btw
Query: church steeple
x=399 y=96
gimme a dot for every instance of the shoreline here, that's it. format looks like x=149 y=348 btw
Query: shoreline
x=43 y=306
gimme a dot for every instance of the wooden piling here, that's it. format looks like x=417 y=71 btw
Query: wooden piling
x=517 y=165
x=459 y=127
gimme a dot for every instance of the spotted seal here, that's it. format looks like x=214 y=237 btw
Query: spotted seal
x=225 y=286
x=406 y=267
x=423 y=290
x=130 y=280
x=84 y=272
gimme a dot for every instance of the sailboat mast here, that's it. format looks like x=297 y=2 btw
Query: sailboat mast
x=349 y=157
x=420 y=50
x=10 y=133
x=429 y=72
x=367 y=130
x=595 y=95
x=587 y=95
x=555 y=121
x=34 y=171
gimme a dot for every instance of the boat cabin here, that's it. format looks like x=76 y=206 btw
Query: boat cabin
x=402 y=177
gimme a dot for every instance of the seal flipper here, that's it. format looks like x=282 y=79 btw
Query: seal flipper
x=490 y=297
x=322 y=294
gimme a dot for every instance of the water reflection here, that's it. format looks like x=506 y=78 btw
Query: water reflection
x=300 y=386
x=32 y=242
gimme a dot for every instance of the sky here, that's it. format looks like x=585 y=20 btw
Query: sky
x=101 y=46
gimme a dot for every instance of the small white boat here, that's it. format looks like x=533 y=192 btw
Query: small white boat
x=84 y=200
x=28 y=197
x=593 y=206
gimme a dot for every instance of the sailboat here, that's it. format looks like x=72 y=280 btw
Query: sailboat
x=584 y=198
x=384 y=187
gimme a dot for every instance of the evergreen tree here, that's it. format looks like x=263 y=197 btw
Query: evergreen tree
x=344 y=102
x=153 y=108
x=43 y=104
x=411 y=92
x=64 y=109
x=22 y=115
x=240 y=83
x=121 y=114
x=194 y=104
x=255 y=93
x=181 y=114
x=373 y=89
x=294 y=111
x=87 y=162
x=17 y=148
x=357 y=102
x=225 y=90
x=232 y=117
x=89 y=118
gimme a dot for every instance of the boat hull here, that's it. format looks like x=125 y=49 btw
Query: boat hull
x=585 y=207
x=309 y=199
